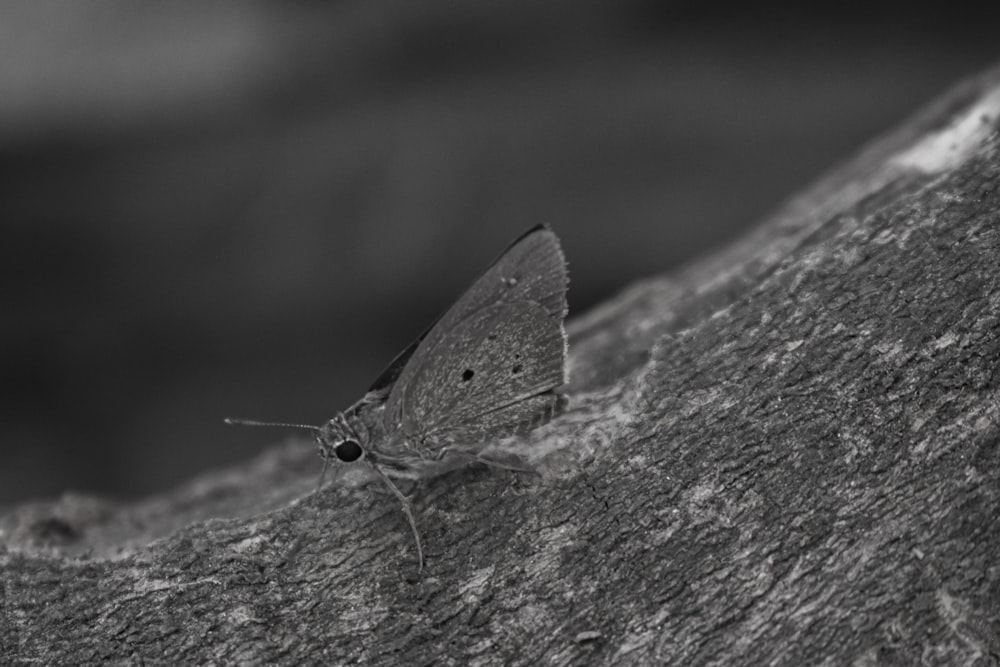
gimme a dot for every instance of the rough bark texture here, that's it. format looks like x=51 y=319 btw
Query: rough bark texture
x=787 y=454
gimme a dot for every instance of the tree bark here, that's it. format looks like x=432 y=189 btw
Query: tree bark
x=787 y=453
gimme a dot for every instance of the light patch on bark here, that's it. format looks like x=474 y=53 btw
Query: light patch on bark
x=960 y=140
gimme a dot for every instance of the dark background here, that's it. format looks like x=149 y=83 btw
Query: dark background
x=248 y=209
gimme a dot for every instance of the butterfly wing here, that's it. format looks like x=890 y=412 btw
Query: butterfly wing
x=390 y=374
x=548 y=259
x=489 y=364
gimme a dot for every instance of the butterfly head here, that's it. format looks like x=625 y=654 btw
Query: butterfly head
x=337 y=441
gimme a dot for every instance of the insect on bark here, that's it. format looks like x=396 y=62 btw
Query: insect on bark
x=488 y=368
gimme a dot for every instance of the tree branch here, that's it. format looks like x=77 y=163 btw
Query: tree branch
x=788 y=453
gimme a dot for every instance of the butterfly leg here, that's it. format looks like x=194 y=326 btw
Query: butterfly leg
x=515 y=463
x=337 y=470
x=406 y=510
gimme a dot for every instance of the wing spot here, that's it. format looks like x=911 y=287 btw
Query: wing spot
x=467 y=375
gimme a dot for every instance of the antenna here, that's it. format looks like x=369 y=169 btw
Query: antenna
x=254 y=422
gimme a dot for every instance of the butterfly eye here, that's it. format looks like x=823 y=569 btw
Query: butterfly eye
x=348 y=451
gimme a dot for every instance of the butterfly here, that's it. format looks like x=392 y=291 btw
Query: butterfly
x=488 y=368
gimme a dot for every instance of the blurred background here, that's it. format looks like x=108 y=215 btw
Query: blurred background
x=247 y=209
